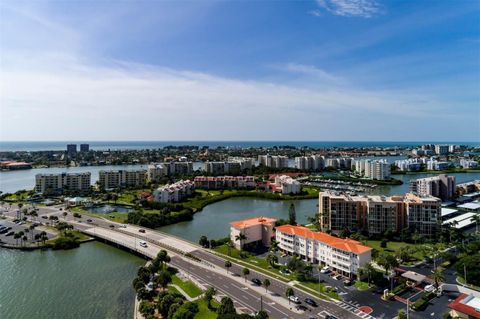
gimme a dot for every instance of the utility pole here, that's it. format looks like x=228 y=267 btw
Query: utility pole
x=261 y=303
x=465 y=273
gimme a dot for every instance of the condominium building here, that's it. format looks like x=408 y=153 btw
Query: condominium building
x=467 y=164
x=71 y=150
x=172 y=193
x=310 y=163
x=442 y=149
x=409 y=165
x=338 y=211
x=156 y=171
x=377 y=214
x=84 y=148
x=339 y=163
x=122 y=178
x=344 y=256
x=441 y=186
x=245 y=162
x=229 y=167
x=373 y=169
x=256 y=231
x=223 y=182
x=423 y=214
x=58 y=183
x=278 y=161
x=287 y=185
x=434 y=165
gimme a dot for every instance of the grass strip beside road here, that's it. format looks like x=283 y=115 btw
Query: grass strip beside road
x=261 y=265
x=361 y=285
x=189 y=287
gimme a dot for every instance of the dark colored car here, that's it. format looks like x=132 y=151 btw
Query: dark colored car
x=310 y=302
x=89 y=220
x=257 y=281
x=347 y=282
x=301 y=308
x=111 y=226
x=141 y=230
x=10 y=233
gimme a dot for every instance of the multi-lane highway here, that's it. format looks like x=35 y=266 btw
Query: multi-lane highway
x=210 y=272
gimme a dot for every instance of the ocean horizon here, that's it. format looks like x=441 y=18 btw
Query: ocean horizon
x=31 y=146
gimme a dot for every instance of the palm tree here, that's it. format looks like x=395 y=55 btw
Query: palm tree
x=229 y=247
x=16 y=236
x=266 y=284
x=64 y=215
x=228 y=264
x=437 y=276
x=476 y=220
x=24 y=239
x=272 y=259
x=245 y=273
x=288 y=293
x=241 y=237
x=369 y=271
x=274 y=246
x=43 y=237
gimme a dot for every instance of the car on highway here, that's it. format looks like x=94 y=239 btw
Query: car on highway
x=143 y=243
x=301 y=308
x=257 y=281
x=44 y=217
x=122 y=226
x=311 y=302
x=141 y=230
x=89 y=220
x=111 y=226
x=294 y=299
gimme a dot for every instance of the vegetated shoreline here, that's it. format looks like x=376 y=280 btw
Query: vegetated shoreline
x=446 y=171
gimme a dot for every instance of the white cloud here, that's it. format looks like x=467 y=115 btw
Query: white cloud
x=351 y=8
x=70 y=99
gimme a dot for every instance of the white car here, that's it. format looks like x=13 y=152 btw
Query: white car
x=325 y=270
x=294 y=299
x=143 y=243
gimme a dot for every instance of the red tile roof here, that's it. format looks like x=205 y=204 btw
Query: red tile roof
x=349 y=245
x=239 y=224
x=457 y=305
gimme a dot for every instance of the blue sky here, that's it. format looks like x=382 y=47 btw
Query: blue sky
x=240 y=70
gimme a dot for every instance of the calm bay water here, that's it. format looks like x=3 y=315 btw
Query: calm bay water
x=138 y=145
x=93 y=281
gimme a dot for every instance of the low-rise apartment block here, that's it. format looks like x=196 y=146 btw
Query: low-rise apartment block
x=441 y=186
x=172 y=193
x=58 y=183
x=223 y=182
x=434 y=165
x=468 y=164
x=256 y=231
x=379 y=214
x=409 y=165
x=122 y=178
x=157 y=171
x=287 y=185
x=234 y=166
x=344 y=256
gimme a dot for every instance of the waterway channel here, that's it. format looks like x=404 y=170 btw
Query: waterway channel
x=93 y=281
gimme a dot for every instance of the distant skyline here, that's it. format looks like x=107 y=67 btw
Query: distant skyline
x=325 y=70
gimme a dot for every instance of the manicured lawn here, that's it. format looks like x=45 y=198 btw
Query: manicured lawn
x=361 y=285
x=189 y=287
x=114 y=216
x=204 y=312
x=319 y=288
x=393 y=246
x=234 y=253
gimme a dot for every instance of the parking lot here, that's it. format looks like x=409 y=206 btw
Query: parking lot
x=9 y=238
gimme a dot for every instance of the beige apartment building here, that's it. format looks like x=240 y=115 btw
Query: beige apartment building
x=121 y=178
x=58 y=183
x=257 y=231
x=344 y=256
x=378 y=214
